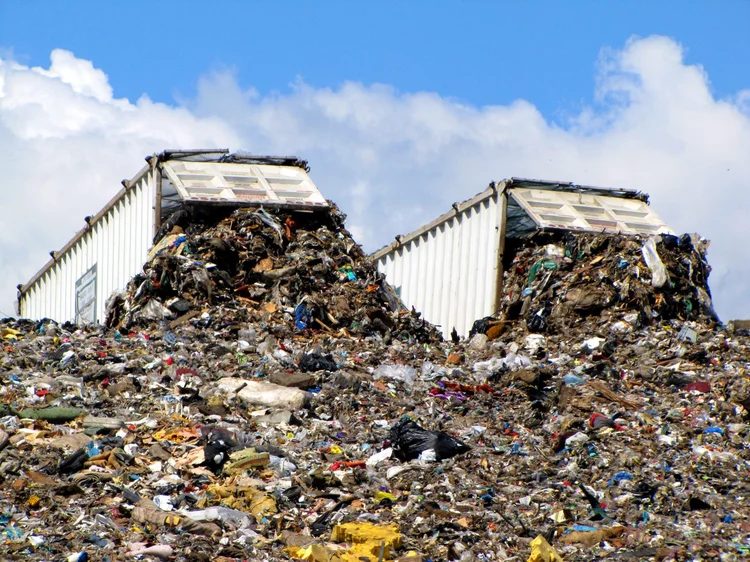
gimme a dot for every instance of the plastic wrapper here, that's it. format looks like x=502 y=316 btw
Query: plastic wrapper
x=409 y=441
x=403 y=373
x=659 y=275
x=266 y=394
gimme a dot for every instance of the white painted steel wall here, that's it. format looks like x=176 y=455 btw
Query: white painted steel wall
x=118 y=243
x=449 y=272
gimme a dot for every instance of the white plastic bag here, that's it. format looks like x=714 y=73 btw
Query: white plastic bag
x=659 y=274
x=402 y=373
x=266 y=394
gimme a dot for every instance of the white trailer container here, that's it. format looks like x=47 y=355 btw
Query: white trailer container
x=103 y=256
x=451 y=270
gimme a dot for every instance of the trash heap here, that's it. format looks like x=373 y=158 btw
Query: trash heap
x=258 y=265
x=555 y=281
x=257 y=394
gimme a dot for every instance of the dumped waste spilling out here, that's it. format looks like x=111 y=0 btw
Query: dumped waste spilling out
x=258 y=392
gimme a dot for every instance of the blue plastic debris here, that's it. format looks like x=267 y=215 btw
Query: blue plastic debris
x=619 y=477
x=347 y=273
x=13 y=533
x=97 y=541
x=92 y=449
x=302 y=317
x=573 y=380
x=488 y=496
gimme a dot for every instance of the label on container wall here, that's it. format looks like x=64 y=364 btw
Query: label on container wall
x=86 y=297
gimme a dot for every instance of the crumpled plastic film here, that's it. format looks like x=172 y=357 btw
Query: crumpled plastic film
x=541 y=551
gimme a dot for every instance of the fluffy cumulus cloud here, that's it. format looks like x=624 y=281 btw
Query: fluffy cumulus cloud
x=391 y=160
x=66 y=143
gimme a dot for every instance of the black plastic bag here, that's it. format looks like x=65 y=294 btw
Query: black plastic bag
x=409 y=440
x=686 y=243
x=537 y=321
x=73 y=462
x=216 y=452
x=480 y=326
x=571 y=246
x=311 y=362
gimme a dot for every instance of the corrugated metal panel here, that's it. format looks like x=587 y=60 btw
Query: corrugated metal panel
x=587 y=211
x=231 y=183
x=448 y=271
x=116 y=242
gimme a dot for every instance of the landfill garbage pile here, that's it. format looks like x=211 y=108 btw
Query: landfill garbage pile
x=220 y=424
x=555 y=280
x=257 y=264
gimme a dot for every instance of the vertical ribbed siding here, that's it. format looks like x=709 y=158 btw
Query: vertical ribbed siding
x=449 y=272
x=117 y=243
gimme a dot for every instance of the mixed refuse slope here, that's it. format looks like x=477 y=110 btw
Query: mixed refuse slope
x=258 y=392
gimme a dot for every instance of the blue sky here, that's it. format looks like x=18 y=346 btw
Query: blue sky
x=401 y=108
x=477 y=52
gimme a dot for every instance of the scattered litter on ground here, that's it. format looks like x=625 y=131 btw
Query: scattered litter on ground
x=258 y=393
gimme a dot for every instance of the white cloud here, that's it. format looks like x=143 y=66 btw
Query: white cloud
x=392 y=160
x=66 y=144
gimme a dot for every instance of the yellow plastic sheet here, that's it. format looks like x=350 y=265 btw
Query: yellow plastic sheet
x=313 y=553
x=542 y=551
x=380 y=496
x=10 y=334
x=177 y=435
x=364 y=542
x=366 y=539
x=244 y=498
